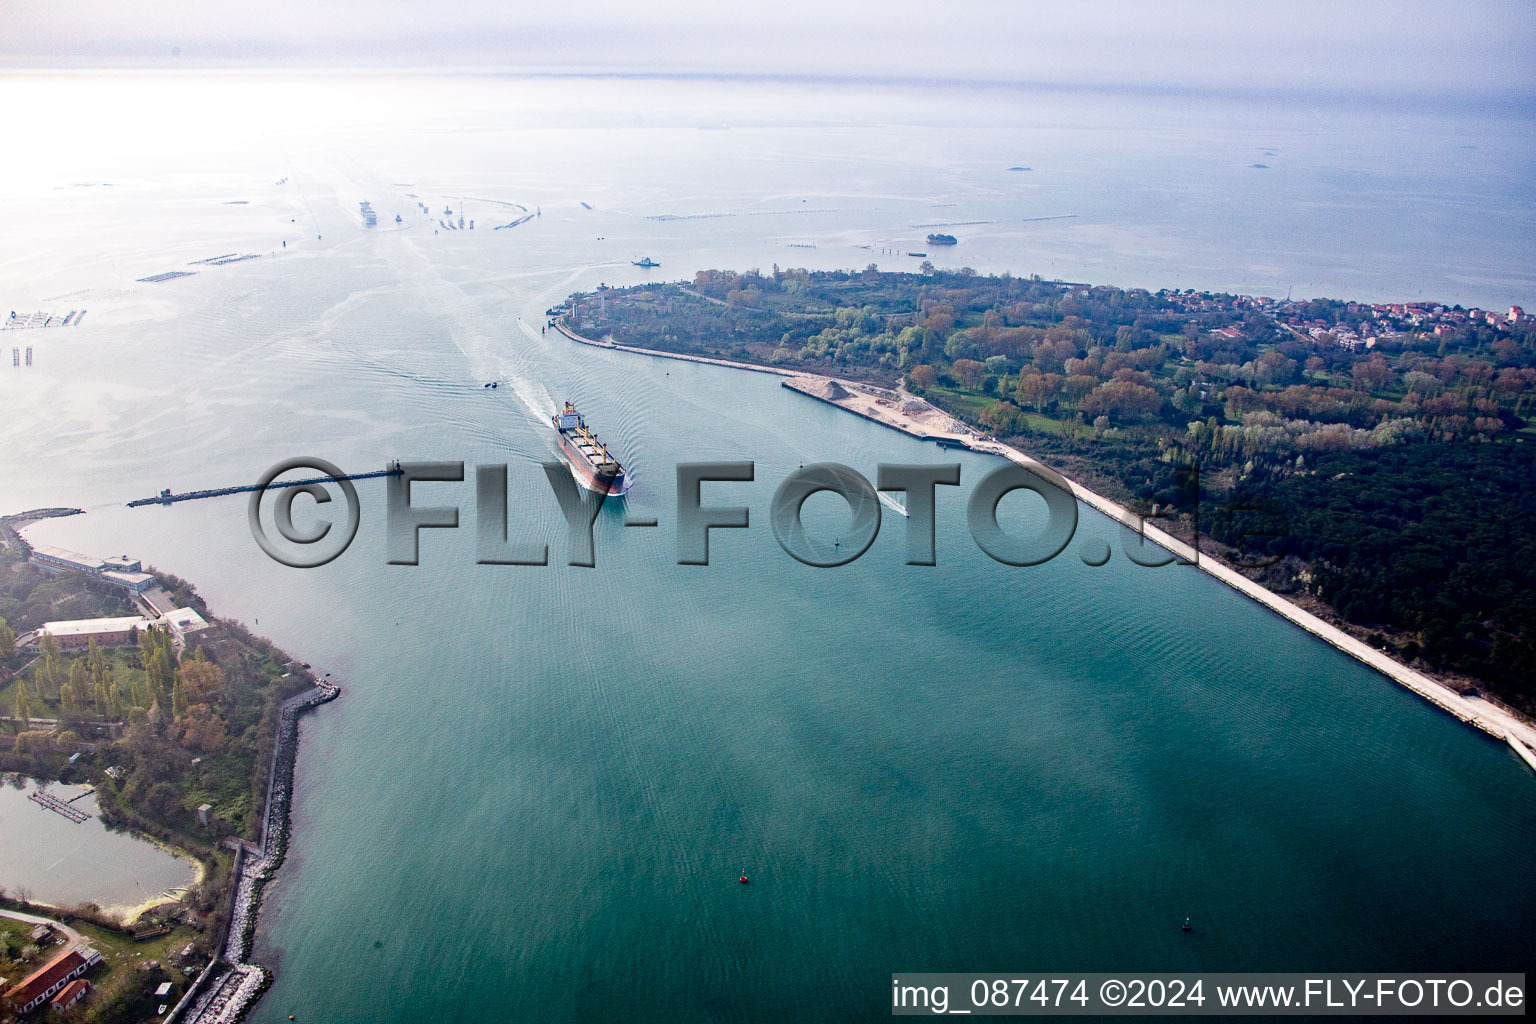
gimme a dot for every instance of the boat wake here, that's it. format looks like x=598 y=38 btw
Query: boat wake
x=892 y=504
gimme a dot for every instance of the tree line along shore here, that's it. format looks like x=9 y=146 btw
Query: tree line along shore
x=1370 y=462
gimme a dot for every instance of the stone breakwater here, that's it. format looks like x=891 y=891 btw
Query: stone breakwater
x=559 y=325
x=226 y=995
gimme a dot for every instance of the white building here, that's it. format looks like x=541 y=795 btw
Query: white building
x=119 y=570
x=184 y=622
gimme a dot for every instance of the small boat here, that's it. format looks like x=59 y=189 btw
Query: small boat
x=1187 y=926
x=919 y=255
x=645 y=261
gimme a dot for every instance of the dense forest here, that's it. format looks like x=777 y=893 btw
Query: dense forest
x=1370 y=460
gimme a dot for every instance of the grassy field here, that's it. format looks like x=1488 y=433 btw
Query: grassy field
x=120 y=990
x=969 y=405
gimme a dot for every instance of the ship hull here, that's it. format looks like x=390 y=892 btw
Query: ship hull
x=587 y=474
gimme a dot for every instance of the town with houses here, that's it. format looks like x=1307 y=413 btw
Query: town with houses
x=1355 y=326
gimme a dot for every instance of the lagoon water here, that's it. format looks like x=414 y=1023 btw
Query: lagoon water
x=541 y=784
x=59 y=861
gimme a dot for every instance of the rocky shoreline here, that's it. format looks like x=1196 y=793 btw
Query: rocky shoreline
x=231 y=984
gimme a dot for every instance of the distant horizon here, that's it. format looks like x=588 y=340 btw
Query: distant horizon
x=1513 y=101
x=1401 y=48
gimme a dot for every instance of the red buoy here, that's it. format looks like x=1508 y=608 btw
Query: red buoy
x=743 y=878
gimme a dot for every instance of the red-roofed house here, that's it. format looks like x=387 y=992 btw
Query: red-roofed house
x=70 y=994
x=45 y=982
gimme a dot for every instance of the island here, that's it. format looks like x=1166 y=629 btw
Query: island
x=939 y=238
x=116 y=681
x=1371 y=462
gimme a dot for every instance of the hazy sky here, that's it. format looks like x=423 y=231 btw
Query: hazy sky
x=1430 y=46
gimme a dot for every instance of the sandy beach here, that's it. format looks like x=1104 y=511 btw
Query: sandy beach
x=903 y=411
x=912 y=415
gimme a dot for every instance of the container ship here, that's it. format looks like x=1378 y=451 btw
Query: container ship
x=595 y=468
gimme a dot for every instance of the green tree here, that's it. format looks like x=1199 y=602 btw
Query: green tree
x=160 y=666
x=23 y=705
x=73 y=693
x=49 y=677
x=116 y=707
x=7 y=641
x=1002 y=417
x=97 y=660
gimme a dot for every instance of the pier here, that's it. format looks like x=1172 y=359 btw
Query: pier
x=229 y=257
x=63 y=807
x=39 y=320
x=165 y=497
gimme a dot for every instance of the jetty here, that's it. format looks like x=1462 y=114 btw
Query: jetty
x=166 y=497
x=35 y=321
x=10 y=526
x=53 y=803
x=521 y=220
x=227 y=258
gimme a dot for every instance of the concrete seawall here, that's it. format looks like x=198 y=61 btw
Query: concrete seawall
x=658 y=353
x=1526 y=753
